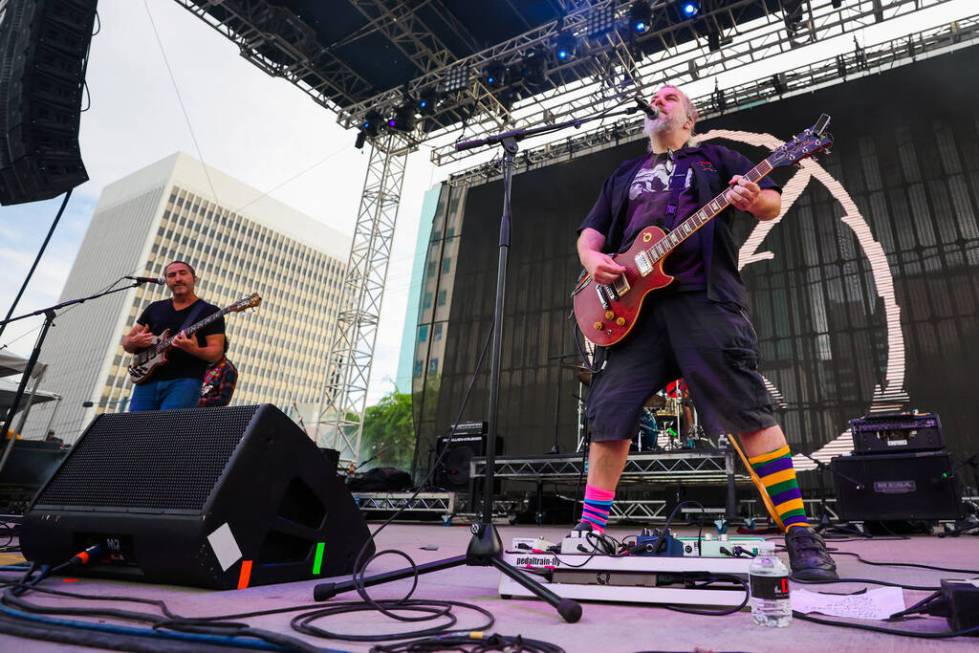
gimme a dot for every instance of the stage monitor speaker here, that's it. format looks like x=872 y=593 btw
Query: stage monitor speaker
x=208 y=497
x=896 y=487
x=43 y=51
x=452 y=473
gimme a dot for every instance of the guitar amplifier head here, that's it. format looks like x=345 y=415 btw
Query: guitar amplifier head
x=897 y=433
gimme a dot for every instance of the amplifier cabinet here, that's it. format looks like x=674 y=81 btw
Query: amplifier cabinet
x=896 y=486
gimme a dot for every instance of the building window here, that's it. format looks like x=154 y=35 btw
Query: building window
x=437 y=332
x=442 y=297
x=446 y=265
x=423 y=333
x=427 y=301
x=433 y=366
x=418 y=368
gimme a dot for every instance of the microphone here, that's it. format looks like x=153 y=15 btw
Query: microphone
x=651 y=112
x=158 y=280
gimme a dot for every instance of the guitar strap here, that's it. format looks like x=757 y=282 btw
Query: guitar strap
x=677 y=181
x=192 y=316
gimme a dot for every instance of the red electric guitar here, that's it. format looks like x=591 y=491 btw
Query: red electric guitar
x=606 y=313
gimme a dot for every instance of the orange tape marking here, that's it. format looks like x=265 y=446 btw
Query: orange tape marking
x=246 y=574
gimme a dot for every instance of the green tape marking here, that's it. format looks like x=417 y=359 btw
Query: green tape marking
x=318 y=559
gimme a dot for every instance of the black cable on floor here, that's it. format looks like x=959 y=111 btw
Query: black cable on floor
x=916 y=565
x=862 y=580
x=76 y=637
x=887 y=631
x=434 y=609
x=472 y=643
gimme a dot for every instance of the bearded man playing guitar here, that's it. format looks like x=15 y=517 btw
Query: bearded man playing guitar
x=177 y=384
x=696 y=328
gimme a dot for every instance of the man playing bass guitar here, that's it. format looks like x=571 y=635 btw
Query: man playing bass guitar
x=697 y=327
x=177 y=384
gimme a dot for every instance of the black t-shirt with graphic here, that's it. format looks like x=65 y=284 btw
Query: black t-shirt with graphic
x=649 y=196
x=160 y=316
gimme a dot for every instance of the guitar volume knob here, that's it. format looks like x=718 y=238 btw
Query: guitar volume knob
x=598 y=326
x=609 y=315
x=620 y=321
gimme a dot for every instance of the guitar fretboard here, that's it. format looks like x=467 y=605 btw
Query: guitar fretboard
x=706 y=213
x=192 y=329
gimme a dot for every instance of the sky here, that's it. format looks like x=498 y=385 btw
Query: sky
x=197 y=94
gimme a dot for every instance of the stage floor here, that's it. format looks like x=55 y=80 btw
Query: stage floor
x=610 y=628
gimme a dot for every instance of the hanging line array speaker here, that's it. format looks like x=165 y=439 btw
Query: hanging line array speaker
x=219 y=498
x=43 y=50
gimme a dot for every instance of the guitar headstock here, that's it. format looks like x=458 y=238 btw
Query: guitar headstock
x=245 y=303
x=809 y=142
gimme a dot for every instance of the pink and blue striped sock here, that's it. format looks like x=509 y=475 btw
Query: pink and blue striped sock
x=597 y=504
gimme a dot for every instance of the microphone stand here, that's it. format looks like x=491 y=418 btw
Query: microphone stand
x=49 y=314
x=485 y=548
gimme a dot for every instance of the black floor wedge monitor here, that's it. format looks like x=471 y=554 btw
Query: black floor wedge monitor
x=219 y=498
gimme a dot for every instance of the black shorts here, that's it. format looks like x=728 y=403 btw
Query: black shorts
x=683 y=334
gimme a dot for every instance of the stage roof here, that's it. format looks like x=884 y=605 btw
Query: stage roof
x=348 y=53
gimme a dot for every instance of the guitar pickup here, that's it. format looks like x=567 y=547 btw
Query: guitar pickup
x=610 y=292
x=643 y=263
x=620 y=286
x=602 y=298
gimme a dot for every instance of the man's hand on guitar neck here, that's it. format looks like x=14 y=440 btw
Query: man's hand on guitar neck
x=597 y=263
x=211 y=352
x=748 y=196
x=188 y=344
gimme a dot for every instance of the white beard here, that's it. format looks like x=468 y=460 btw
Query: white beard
x=663 y=124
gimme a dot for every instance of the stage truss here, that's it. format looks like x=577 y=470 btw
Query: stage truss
x=606 y=72
x=685 y=467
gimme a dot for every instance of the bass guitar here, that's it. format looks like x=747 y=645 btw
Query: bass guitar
x=606 y=313
x=155 y=356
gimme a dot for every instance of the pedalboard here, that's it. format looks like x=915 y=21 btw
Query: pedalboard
x=579 y=569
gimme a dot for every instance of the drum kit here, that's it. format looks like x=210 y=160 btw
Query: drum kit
x=668 y=421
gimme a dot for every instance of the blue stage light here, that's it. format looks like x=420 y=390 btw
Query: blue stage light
x=640 y=16
x=690 y=9
x=372 y=122
x=494 y=75
x=565 y=46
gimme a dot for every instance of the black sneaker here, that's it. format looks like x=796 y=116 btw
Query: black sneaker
x=807 y=555
x=583 y=527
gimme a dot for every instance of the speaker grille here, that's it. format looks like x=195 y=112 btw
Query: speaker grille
x=152 y=461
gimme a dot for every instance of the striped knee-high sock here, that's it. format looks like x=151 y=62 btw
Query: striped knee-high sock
x=598 y=503
x=778 y=476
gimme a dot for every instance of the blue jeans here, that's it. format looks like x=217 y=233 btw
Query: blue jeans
x=165 y=395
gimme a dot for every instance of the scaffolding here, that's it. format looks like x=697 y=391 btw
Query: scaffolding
x=339 y=422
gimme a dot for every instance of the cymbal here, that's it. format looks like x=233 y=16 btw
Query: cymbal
x=583 y=372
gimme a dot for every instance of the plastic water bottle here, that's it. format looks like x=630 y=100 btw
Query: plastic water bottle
x=769 y=582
